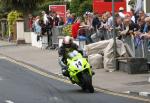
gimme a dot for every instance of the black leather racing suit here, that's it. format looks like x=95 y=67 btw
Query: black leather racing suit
x=63 y=54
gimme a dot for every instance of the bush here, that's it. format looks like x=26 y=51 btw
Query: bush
x=12 y=17
x=67 y=30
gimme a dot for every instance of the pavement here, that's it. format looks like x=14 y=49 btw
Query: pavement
x=47 y=60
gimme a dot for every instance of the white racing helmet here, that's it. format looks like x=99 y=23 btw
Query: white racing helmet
x=67 y=41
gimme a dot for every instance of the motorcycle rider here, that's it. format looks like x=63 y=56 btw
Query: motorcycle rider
x=67 y=46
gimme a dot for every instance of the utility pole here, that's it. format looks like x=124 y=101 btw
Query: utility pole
x=114 y=35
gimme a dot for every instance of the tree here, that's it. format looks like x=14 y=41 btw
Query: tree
x=79 y=6
x=23 y=5
x=74 y=6
x=85 y=6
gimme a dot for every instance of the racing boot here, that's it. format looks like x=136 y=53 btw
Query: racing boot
x=93 y=73
x=65 y=71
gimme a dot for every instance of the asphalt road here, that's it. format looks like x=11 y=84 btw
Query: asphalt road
x=20 y=85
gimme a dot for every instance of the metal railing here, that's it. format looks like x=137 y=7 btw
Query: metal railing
x=139 y=48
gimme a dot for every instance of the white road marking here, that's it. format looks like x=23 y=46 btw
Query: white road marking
x=67 y=81
x=9 y=101
x=1 y=57
x=55 y=99
x=144 y=94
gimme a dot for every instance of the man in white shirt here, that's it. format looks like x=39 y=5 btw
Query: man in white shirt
x=45 y=19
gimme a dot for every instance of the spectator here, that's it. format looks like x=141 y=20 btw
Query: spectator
x=50 y=21
x=141 y=23
x=88 y=17
x=141 y=14
x=132 y=15
x=61 y=21
x=121 y=14
x=129 y=27
x=38 y=27
x=147 y=34
x=30 y=22
x=96 y=22
x=70 y=19
x=44 y=22
x=68 y=13
x=56 y=19
x=104 y=22
x=119 y=24
x=85 y=16
x=110 y=19
x=75 y=27
x=45 y=19
x=49 y=27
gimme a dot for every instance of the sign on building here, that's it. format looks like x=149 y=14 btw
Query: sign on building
x=59 y=9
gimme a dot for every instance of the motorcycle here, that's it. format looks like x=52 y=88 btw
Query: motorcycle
x=80 y=71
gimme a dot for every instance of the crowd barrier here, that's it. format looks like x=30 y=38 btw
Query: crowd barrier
x=56 y=32
x=41 y=43
x=57 y=37
x=102 y=34
x=138 y=47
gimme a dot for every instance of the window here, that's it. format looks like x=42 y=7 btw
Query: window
x=114 y=0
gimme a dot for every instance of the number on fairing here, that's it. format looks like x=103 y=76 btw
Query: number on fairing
x=78 y=64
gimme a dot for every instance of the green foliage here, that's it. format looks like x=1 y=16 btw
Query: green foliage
x=12 y=17
x=80 y=6
x=67 y=30
x=74 y=6
x=3 y=13
x=21 y=5
x=85 y=6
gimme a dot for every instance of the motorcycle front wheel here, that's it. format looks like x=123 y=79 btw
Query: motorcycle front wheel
x=87 y=83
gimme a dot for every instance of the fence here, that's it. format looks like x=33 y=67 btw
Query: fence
x=138 y=46
x=101 y=34
x=56 y=32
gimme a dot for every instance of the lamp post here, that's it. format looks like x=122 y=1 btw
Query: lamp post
x=114 y=35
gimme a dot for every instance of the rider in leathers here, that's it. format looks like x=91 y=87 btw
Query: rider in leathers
x=67 y=46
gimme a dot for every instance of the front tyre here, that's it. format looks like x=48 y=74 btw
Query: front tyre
x=87 y=83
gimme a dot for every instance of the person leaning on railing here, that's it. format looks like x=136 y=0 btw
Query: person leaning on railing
x=146 y=32
x=147 y=28
x=129 y=27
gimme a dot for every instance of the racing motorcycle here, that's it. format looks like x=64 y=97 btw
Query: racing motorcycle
x=80 y=71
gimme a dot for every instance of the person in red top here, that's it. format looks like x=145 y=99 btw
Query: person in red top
x=75 y=28
x=30 y=22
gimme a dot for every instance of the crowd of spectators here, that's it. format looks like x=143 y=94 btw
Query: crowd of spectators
x=127 y=23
